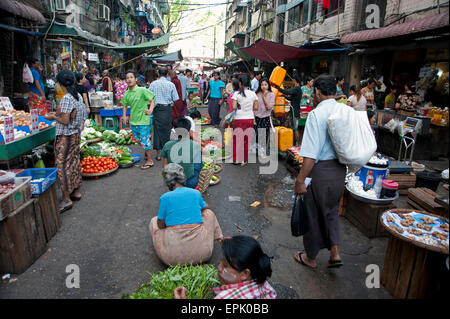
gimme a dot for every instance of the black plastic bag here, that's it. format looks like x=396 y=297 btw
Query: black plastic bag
x=299 y=218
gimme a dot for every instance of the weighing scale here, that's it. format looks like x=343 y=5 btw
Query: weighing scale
x=408 y=136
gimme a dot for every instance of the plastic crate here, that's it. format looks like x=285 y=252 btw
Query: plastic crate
x=14 y=199
x=107 y=113
x=49 y=175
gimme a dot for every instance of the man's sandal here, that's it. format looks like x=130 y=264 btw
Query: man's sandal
x=298 y=258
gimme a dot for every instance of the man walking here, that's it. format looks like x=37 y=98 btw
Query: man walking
x=177 y=108
x=215 y=97
x=255 y=81
x=328 y=179
x=202 y=83
x=165 y=96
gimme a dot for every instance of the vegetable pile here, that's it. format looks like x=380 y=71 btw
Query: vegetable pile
x=198 y=280
x=94 y=165
x=125 y=158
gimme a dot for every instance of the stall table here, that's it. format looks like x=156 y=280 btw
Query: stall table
x=412 y=269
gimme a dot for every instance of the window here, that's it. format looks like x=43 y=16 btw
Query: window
x=305 y=11
x=335 y=7
x=294 y=17
x=268 y=31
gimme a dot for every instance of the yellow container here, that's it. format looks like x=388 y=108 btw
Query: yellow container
x=279 y=108
x=285 y=138
x=278 y=75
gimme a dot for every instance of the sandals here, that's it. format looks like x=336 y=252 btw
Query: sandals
x=147 y=166
x=65 y=208
x=300 y=259
x=335 y=263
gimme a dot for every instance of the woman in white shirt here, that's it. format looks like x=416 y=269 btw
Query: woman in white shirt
x=245 y=102
x=357 y=101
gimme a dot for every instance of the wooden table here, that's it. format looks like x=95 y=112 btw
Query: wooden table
x=413 y=269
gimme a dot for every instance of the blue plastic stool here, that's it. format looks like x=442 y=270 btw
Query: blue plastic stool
x=111 y=124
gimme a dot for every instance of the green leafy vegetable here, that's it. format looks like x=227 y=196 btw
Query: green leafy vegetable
x=198 y=280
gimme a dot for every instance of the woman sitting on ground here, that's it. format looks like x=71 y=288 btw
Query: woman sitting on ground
x=243 y=271
x=185 y=229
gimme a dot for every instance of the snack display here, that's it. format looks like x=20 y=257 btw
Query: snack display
x=425 y=229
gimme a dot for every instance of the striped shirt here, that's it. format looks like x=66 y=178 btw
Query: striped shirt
x=246 y=290
x=165 y=91
x=67 y=105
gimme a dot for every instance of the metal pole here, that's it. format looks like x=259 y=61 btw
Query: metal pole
x=214 y=54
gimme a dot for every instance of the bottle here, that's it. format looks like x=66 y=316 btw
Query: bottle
x=369 y=180
x=378 y=186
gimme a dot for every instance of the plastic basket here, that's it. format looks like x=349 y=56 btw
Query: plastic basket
x=204 y=179
x=136 y=157
x=48 y=174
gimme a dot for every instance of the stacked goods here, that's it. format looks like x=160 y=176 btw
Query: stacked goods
x=425 y=199
x=95 y=165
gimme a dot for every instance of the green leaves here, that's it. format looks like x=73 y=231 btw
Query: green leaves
x=198 y=280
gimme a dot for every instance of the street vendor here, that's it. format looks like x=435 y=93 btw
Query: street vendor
x=243 y=271
x=369 y=92
x=36 y=94
x=69 y=120
x=184 y=151
x=185 y=229
x=141 y=102
x=408 y=102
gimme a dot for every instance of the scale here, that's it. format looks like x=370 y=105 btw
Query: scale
x=408 y=136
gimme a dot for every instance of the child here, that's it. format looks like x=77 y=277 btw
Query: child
x=372 y=119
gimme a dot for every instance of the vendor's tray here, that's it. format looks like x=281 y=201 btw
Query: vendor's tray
x=420 y=228
x=217 y=181
x=100 y=174
x=127 y=165
x=382 y=201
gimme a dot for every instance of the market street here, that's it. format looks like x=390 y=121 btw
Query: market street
x=106 y=235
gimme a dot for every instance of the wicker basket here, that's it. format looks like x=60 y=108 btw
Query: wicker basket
x=204 y=179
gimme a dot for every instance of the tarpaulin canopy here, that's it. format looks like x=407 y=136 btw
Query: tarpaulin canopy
x=273 y=52
x=235 y=49
x=20 y=9
x=413 y=27
x=169 y=57
x=143 y=47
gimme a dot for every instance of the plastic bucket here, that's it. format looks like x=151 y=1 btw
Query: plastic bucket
x=428 y=180
x=377 y=172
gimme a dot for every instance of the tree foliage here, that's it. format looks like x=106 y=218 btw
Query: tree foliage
x=177 y=12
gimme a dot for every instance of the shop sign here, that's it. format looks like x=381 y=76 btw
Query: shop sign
x=9 y=129
x=5 y=103
x=34 y=121
x=93 y=57
x=156 y=30
x=106 y=58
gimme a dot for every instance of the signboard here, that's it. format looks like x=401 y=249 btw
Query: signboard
x=34 y=121
x=93 y=57
x=9 y=130
x=156 y=30
x=5 y=103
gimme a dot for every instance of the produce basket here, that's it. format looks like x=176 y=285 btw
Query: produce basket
x=100 y=174
x=219 y=169
x=204 y=179
x=41 y=178
x=12 y=200
x=127 y=165
x=212 y=183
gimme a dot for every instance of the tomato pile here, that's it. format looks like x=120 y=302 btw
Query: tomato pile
x=91 y=165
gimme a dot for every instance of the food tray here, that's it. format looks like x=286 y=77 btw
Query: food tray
x=100 y=174
x=49 y=175
x=211 y=183
x=441 y=245
x=218 y=170
x=367 y=200
x=14 y=199
x=127 y=165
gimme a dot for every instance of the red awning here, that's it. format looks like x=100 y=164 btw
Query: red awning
x=273 y=52
x=22 y=10
x=416 y=26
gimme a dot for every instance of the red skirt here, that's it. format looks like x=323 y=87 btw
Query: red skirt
x=242 y=137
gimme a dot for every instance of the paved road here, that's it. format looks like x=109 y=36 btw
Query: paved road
x=106 y=235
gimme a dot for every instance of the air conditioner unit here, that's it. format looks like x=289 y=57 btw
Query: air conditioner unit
x=103 y=12
x=60 y=5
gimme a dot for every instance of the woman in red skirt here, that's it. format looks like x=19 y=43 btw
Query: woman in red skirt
x=245 y=102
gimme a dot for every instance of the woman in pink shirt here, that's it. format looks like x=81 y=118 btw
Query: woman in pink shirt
x=266 y=100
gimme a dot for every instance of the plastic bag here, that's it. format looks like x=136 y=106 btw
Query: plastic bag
x=27 y=75
x=299 y=218
x=228 y=120
x=351 y=135
x=391 y=125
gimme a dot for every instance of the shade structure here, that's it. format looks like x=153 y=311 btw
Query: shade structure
x=272 y=52
x=144 y=47
x=20 y=9
x=439 y=21
x=169 y=57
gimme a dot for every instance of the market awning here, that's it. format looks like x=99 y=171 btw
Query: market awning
x=59 y=29
x=235 y=49
x=273 y=52
x=239 y=35
x=22 y=10
x=415 y=27
x=143 y=47
x=170 y=57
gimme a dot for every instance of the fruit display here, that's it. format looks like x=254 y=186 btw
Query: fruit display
x=94 y=165
x=5 y=189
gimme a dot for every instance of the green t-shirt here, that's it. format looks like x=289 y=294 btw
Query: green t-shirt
x=177 y=155
x=137 y=99
x=307 y=101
